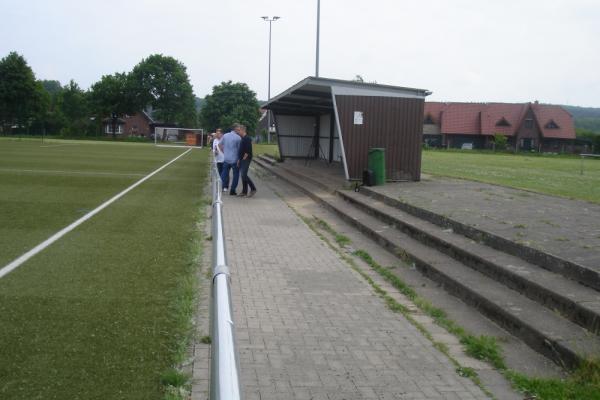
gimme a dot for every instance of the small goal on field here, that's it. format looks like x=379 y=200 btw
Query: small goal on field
x=186 y=137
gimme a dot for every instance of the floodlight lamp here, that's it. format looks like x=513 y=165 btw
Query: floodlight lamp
x=265 y=18
x=276 y=18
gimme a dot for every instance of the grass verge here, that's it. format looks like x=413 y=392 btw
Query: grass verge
x=271 y=150
x=554 y=175
x=105 y=312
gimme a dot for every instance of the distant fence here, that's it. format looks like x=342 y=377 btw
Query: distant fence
x=224 y=377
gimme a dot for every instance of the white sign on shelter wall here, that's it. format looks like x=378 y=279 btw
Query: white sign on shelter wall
x=358 y=117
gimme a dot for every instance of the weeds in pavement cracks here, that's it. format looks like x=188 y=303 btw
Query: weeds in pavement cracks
x=582 y=384
x=315 y=224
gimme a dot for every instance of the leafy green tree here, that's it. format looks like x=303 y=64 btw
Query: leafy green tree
x=21 y=96
x=500 y=142
x=162 y=82
x=50 y=120
x=590 y=135
x=73 y=105
x=112 y=94
x=52 y=87
x=230 y=103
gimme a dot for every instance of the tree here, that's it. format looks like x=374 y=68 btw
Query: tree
x=230 y=103
x=21 y=96
x=52 y=87
x=73 y=105
x=591 y=136
x=51 y=119
x=113 y=93
x=162 y=82
x=500 y=141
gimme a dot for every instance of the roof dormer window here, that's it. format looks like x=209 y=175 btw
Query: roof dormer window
x=428 y=120
x=502 y=122
x=552 y=125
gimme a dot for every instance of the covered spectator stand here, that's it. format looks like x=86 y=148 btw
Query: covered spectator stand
x=338 y=121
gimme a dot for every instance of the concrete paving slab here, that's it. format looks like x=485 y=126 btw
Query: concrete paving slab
x=308 y=326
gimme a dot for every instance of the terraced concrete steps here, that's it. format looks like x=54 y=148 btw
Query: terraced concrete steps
x=552 y=262
x=441 y=256
x=578 y=303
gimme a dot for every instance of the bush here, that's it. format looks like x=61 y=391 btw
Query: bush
x=500 y=142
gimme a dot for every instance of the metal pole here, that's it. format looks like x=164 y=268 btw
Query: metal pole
x=318 y=34
x=269 y=89
x=270 y=20
x=225 y=377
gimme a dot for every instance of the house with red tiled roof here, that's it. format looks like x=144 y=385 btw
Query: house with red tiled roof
x=527 y=126
x=141 y=124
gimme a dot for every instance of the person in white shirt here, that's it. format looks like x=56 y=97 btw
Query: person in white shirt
x=219 y=156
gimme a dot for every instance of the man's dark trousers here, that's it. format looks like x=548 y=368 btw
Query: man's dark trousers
x=225 y=176
x=246 y=181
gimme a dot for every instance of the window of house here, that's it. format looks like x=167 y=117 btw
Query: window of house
x=428 y=120
x=551 y=125
x=502 y=122
x=529 y=123
x=108 y=129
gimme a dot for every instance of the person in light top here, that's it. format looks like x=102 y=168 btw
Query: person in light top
x=230 y=145
x=219 y=156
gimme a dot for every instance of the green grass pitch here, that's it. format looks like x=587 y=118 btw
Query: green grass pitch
x=97 y=314
x=554 y=175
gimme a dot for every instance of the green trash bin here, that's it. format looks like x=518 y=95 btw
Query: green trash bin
x=377 y=164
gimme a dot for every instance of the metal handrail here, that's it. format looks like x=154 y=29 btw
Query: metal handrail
x=224 y=376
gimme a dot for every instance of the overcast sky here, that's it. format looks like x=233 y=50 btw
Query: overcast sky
x=461 y=50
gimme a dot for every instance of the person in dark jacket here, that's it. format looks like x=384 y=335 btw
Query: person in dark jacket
x=244 y=159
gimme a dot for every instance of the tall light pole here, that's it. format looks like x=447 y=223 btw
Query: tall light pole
x=318 y=34
x=270 y=21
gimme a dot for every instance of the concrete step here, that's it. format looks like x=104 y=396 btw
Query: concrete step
x=542 y=329
x=544 y=259
x=578 y=303
x=267 y=159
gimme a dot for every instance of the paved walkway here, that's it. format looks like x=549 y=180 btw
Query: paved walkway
x=309 y=327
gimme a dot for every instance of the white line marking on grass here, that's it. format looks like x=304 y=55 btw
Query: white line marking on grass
x=58 y=145
x=19 y=261
x=50 y=171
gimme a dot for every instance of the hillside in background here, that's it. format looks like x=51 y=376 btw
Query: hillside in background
x=586 y=118
x=199 y=103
